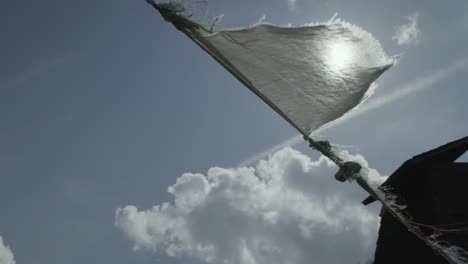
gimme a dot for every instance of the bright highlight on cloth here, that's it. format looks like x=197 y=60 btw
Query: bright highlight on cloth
x=340 y=55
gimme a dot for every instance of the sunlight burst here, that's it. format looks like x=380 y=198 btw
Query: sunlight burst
x=339 y=55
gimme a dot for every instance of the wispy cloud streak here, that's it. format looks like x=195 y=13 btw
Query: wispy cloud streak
x=406 y=89
x=293 y=141
x=399 y=92
x=41 y=68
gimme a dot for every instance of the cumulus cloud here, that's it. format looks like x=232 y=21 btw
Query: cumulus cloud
x=6 y=256
x=285 y=209
x=409 y=33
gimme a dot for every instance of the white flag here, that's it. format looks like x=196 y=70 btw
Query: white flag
x=310 y=75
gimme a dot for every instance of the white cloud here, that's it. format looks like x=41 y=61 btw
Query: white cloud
x=292 y=4
x=6 y=256
x=262 y=19
x=409 y=33
x=286 y=209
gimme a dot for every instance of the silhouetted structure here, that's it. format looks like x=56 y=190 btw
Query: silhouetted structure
x=434 y=187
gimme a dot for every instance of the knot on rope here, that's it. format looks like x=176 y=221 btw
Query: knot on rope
x=348 y=171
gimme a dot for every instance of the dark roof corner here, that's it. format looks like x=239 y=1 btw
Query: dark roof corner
x=449 y=152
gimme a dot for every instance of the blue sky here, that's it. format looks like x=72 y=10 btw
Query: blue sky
x=103 y=105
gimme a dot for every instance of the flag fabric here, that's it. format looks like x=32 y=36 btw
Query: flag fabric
x=310 y=75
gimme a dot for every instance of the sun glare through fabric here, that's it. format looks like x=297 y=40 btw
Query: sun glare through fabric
x=339 y=56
